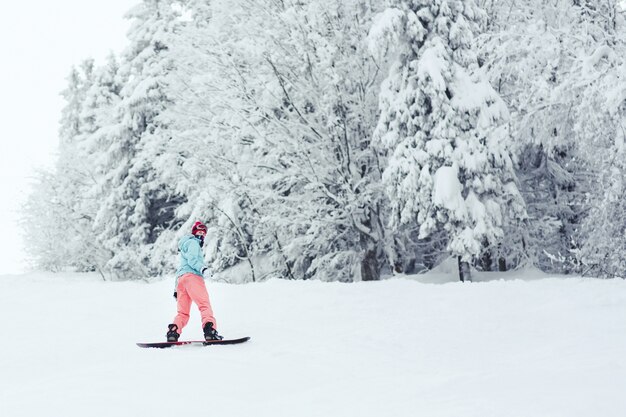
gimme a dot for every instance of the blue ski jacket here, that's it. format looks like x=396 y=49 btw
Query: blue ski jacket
x=190 y=256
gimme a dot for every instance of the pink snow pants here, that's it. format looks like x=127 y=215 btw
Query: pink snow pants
x=191 y=288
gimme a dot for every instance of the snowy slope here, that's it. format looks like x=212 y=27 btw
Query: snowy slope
x=527 y=348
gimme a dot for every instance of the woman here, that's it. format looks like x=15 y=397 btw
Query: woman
x=190 y=286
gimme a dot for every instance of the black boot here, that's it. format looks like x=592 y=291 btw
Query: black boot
x=172 y=333
x=210 y=333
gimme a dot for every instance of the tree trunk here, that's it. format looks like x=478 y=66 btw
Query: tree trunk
x=369 y=266
x=501 y=264
x=464 y=271
x=486 y=261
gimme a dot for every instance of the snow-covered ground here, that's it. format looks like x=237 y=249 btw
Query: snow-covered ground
x=401 y=347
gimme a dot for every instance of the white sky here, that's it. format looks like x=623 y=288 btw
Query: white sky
x=40 y=40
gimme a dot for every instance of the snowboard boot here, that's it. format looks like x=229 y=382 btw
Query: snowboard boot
x=172 y=333
x=210 y=333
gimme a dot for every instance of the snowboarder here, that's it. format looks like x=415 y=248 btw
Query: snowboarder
x=190 y=286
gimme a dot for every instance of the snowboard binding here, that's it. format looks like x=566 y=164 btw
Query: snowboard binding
x=172 y=333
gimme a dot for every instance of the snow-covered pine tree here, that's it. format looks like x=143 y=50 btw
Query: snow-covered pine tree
x=139 y=206
x=67 y=199
x=98 y=118
x=43 y=218
x=445 y=129
x=54 y=212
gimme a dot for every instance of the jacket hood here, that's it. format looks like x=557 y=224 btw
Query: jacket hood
x=186 y=239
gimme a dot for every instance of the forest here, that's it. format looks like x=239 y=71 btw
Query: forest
x=345 y=140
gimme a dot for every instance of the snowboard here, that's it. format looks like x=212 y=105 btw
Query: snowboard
x=162 y=345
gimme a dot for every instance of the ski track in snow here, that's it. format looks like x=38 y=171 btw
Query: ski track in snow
x=517 y=347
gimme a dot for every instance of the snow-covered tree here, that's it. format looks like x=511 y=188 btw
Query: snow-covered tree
x=445 y=129
x=66 y=200
x=270 y=120
x=286 y=95
x=140 y=207
x=602 y=252
x=548 y=61
x=600 y=129
x=320 y=166
x=56 y=206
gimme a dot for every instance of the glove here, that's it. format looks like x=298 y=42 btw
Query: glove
x=175 y=295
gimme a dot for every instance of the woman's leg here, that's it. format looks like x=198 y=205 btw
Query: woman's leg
x=199 y=295
x=183 y=304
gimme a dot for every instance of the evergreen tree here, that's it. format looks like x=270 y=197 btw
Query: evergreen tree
x=66 y=187
x=140 y=207
x=64 y=203
x=445 y=129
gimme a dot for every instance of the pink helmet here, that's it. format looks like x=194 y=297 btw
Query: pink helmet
x=198 y=227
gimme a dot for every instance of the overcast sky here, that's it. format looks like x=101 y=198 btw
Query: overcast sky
x=40 y=40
